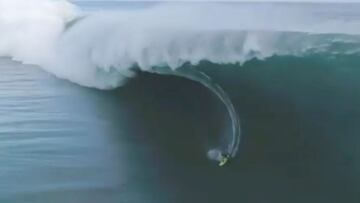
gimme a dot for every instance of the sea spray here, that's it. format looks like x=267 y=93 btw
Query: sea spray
x=102 y=48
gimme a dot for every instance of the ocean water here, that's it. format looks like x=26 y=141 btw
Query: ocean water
x=123 y=101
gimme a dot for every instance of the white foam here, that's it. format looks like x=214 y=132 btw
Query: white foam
x=99 y=50
x=214 y=154
x=29 y=29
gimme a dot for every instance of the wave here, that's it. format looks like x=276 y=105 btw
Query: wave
x=101 y=49
x=105 y=49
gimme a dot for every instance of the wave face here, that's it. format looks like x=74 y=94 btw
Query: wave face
x=233 y=141
x=103 y=49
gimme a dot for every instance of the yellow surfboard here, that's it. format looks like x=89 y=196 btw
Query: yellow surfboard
x=223 y=161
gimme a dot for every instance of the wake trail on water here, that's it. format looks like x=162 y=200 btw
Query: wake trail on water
x=103 y=49
x=198 y=76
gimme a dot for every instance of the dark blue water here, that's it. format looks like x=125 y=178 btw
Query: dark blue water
x=64 y=143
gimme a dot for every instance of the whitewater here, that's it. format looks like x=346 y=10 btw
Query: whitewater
x=101 y=49
x=104 y=49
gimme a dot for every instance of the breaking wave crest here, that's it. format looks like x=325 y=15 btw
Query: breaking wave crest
x=105 y=49
x=101 y=49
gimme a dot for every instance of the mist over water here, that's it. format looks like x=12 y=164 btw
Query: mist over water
x=290 y=71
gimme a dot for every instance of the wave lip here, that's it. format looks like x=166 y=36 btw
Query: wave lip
x=100 y=49
x=162 y=35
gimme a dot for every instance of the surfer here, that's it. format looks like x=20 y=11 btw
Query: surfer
x=224 y=159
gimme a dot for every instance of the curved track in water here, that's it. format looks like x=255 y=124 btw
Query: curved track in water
x=200 y=77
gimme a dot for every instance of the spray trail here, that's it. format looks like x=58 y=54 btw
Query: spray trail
x=193 y=74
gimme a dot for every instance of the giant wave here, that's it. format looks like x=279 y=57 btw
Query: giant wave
x=104 y=49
